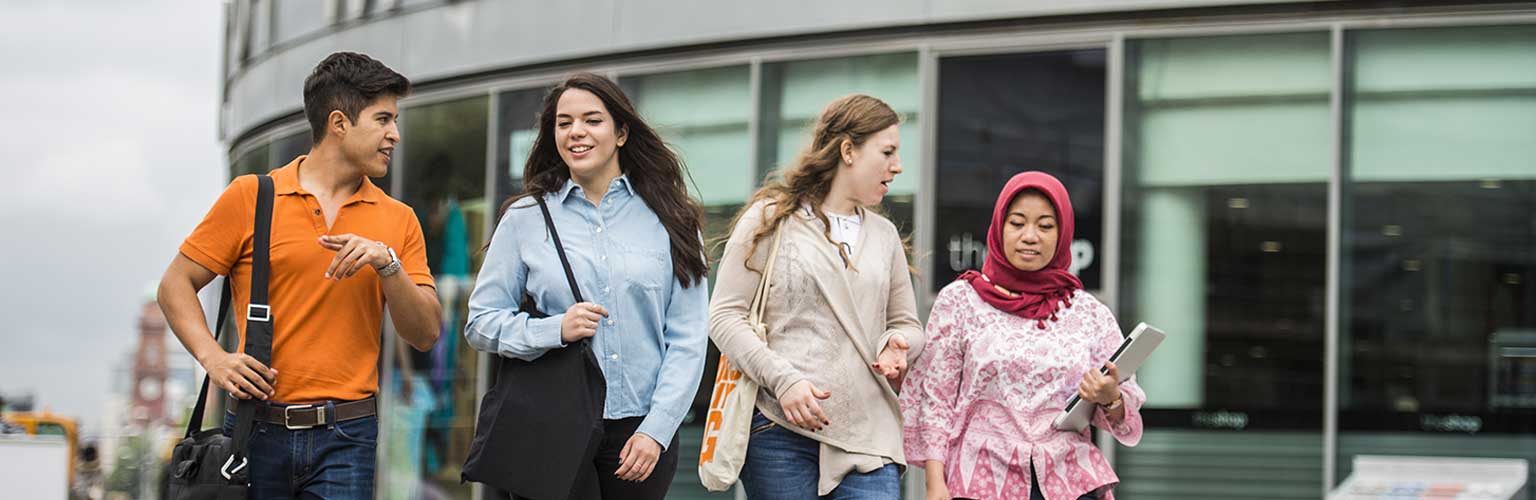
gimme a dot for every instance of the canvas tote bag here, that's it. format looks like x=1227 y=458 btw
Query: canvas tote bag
x=727 y=428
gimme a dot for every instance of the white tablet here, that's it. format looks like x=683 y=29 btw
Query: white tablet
x=1132 y=352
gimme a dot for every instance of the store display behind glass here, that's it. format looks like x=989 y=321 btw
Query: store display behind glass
x=1224 y=208
x=1438 y=332
x=430 y=411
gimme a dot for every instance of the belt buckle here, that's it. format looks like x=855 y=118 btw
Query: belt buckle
x=288 y=416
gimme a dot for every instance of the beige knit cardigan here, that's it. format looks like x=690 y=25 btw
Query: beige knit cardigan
x=826 y=323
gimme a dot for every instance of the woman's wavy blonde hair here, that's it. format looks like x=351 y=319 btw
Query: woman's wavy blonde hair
x=850 y=119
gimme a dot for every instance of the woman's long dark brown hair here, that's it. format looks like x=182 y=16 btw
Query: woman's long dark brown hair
x=654 y=170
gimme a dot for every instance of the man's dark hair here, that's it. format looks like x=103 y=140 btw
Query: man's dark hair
x=349 y=82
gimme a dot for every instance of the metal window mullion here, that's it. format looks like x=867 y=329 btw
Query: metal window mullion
x=1113 y=118
x=755 y=124
x=925 y=200
x=1335 y=248
x=1113 y=174
x=492 y=132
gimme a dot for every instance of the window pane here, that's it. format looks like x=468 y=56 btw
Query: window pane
x=296 y=18
x=255 y=161
x=517 y=122
x=1004 y=114
x=703 y=115
x=1225 y=227
x=285 y=149
x=794 y=93
x=1439 y=274
x=261 y=26
x=433 y=396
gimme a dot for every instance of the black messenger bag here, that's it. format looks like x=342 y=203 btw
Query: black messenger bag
x=542 y=420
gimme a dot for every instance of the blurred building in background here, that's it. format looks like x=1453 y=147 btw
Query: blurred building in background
x=1328 y=205
x=149 y=366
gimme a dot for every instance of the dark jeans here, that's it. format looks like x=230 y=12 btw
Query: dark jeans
x=330 y=462
x=598 y=483
x=782 y=465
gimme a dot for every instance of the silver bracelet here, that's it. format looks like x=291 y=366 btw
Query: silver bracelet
x=393 y=266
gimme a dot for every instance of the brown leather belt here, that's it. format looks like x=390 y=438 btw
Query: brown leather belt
x=312 y=415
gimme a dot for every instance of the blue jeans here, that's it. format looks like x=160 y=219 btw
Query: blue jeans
x=782 y=465
x=330 y=462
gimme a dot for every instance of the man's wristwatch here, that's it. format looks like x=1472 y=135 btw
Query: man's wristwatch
x=392 y=267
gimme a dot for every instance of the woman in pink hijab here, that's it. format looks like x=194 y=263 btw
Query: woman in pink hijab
x=1007 y=347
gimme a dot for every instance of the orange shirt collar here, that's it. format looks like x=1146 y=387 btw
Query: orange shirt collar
x=285 y=180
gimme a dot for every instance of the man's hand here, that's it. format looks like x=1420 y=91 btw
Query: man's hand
x=638 y=458
x=892 y=362
x=800 y=406
x=581 y=321
x=241 y=375
x=1102 y=389
x=352 y=253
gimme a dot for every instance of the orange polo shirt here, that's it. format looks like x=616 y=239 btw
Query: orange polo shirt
x=326 y=334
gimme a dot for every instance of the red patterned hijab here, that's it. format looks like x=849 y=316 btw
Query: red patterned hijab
x=1038 y=291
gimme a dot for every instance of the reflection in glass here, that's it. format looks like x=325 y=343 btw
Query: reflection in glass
x=433 y=394
x=1226 y=173
x=1438 y=323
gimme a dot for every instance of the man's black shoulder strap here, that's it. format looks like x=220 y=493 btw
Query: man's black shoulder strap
x=258 y=312
x=258 y=328
x=258 y=315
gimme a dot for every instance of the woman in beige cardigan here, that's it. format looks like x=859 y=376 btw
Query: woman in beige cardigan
x=841 y=316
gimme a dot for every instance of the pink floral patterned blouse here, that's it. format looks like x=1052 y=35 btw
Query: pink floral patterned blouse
x=982 y=397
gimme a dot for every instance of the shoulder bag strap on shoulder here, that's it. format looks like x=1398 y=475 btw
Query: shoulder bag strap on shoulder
x=258 y=315
x=549 y=222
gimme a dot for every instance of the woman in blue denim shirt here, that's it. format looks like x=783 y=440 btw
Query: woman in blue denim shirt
x=631 y=233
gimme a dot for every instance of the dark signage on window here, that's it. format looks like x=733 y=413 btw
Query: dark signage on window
x=1004 y=114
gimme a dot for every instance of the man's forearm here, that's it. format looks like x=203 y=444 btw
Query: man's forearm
x=184 y=313
x=413 y=309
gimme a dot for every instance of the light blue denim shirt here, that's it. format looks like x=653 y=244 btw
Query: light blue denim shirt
x=651 y=346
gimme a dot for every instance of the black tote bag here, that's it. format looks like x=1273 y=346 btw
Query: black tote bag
x=206 y=464
x=542 y=420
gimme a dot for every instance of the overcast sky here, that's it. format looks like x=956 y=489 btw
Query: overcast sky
x=110 y=150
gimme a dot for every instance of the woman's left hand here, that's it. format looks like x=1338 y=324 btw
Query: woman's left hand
x=892 y=362
x=1101 y=388
x=638 y=458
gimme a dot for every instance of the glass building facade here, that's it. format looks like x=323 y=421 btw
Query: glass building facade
x=1330 y=212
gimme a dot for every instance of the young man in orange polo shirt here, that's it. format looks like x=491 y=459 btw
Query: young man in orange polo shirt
x=341 y=250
